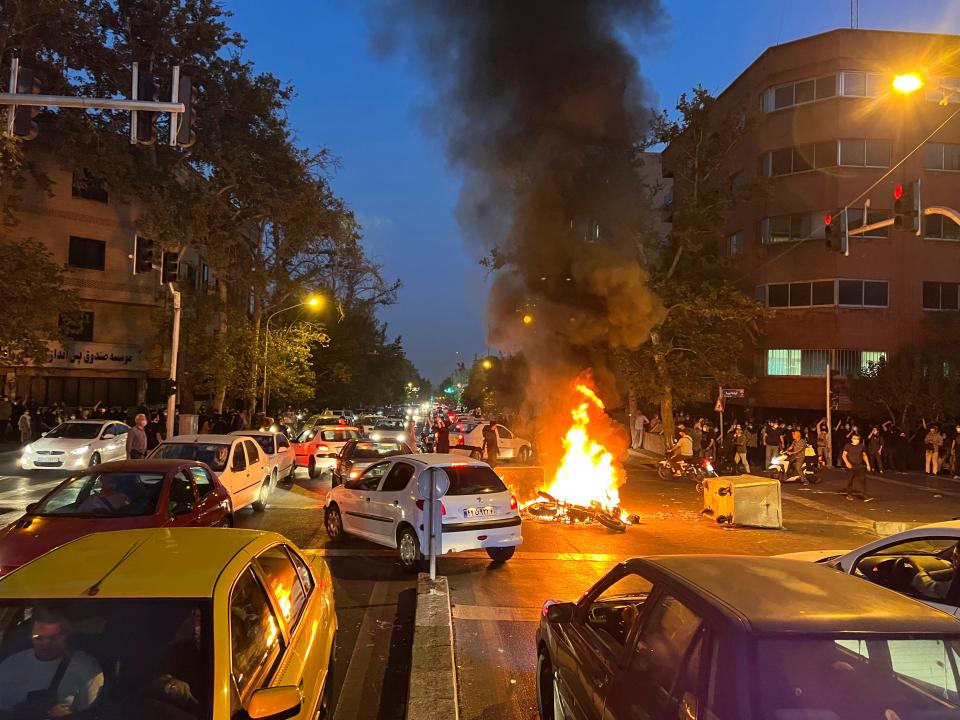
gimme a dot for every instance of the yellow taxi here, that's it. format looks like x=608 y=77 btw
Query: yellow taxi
x=181 y=623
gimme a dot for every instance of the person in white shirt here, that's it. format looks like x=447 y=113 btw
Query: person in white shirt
x=639 y=425
x=48 y=680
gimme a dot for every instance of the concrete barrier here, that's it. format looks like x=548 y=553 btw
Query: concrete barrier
x=432 y=692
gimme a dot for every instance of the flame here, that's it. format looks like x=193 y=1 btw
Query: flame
x=588 y=472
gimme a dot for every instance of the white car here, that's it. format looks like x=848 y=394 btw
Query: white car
x=469 y=434
x=389 y=429
x=384 y=506
x=895 y=560
x=238 y=463
x=278 y=450
x=77 y=444
x=349 y=415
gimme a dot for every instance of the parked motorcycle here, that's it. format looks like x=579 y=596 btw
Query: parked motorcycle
x=781 y=469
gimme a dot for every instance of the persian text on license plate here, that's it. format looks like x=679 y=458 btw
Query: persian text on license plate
x=479 y=512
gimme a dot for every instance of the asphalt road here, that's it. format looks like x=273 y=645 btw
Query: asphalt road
x=495 y=609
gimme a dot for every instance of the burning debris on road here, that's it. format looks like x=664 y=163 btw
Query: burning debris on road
x=547 y=507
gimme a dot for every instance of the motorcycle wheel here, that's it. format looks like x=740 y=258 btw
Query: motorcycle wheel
x=611 y=523
x=664 y=471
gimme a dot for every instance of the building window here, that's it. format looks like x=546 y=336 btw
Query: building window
x=940 y=296
x=861 y=84
x=860 y=152
x=89 y=187
x=86 y=253
x=789 y=228
x=940 y=227
x=783 y=362
x=798 y=159
x=855 y=220
x=798 y=93
x=942 y=156
x=204 y=273
x=77 y=326
x=825 y=293
x=735 y=244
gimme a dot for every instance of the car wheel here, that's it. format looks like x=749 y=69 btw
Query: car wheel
x=547 y=703
x=94 y=459
x=333 y=523
x=274 y=477
x=312 y=468
x=408 y=544
x=501 y=554
x=292 y=475
x=523 y=457
x=260 y=504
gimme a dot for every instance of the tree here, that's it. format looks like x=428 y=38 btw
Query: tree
x=492 y=386
x=707 y=321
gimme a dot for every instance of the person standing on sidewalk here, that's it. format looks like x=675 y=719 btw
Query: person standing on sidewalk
x=771 y=442
x=25 y=426
x=640 y=421
x=932 y=442
x=855 y=459
x=875 y=448
x=740 y=449
x=137 y=438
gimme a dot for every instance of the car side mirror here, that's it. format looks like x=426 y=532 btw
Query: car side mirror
x=561 y=612
x=182 y=508
x=31 y=507
x=43 y=434
x=108 y=436
x=275 y=703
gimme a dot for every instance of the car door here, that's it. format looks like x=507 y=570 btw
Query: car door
x=896 y=565
x=106 y=443
x=391 y=500
x=505 y=442
x=182 y=501
x=590 y=650
x=355 y=505
x=258 y=469
x=120 y=430
x=236 y=478
x=284 y=454
x=210 y=508
x=662 y=678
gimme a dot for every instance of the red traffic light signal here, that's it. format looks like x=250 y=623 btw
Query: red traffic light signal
x=827 y=220
x=897 y=192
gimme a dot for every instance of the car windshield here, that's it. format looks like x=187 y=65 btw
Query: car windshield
x=151 y=658
x=75 y=431
x=108 y=494
x=213 y=454
x=389 y=425
x=373 y=451
x=844 y=678
x=473 y=480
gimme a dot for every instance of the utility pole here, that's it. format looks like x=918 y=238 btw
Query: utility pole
x=174 y=350
x=829 y=458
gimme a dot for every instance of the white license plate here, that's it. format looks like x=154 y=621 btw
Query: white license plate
x=479 y=512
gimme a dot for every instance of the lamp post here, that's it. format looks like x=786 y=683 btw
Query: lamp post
x=312 y=301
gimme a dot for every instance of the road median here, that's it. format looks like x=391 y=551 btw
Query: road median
x=432 y=693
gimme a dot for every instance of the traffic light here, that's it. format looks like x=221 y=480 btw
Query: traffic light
x=142 y=255
x=906 y=206
x=170 y=267
x=188 y=94
x=831 y=231
x=146 y=121
x=169 y=387
x=24 y=116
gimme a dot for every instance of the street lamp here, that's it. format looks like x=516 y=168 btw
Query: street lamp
x=487 y=364
x=528 y=319
x=907 y=84
x=312 y=301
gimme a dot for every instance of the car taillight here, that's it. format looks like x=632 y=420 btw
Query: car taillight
x=461 y=440
x=513 y=502
x=443 y=508
x=323 y=448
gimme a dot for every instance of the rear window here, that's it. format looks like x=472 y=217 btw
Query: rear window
x=374 y=451
x=336 y=435
x=473 y=480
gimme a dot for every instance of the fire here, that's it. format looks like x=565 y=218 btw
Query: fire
x=588 y=472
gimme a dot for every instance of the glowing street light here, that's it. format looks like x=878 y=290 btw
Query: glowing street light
x=907 y=83
x=313 y=302
x=487 y=364
x=528 y=319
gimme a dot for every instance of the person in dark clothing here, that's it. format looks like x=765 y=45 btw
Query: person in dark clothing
x=491 y=444
x=442 y=431
x=154 y=431
x=875 y=448
x=855 y=459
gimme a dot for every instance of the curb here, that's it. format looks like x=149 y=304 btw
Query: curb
x=432 y=692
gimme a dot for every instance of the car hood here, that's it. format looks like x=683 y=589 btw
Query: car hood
x=31 y=535
x=813 y=555
x=59 y=443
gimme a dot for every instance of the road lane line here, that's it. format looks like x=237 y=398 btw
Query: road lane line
x=496 y=614
x=354 y=695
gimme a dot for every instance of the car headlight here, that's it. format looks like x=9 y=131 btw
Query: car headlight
x=27 y=449
x=80 y=450
x=401 y=437
x=376 y=437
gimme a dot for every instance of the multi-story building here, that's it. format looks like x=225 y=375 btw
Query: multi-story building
x=117 y=355
x=823 y=125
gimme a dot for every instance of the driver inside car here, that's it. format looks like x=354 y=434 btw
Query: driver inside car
x=924 y=584
x=109 y=497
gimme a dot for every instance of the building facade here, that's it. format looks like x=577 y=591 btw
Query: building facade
x=118 y=356
x=823 y=125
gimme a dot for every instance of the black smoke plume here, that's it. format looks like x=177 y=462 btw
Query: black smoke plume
x=542 y=108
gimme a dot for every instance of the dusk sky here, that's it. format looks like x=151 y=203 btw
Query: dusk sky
x=394 y=175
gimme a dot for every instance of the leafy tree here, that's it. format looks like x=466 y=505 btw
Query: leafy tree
x=492 y=386
x=707 y=321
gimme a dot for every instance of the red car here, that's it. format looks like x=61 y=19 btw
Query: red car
x=317 y=448
x=117 y=496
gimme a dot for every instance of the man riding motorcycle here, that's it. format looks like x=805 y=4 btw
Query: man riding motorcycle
x=682 y=451
x=795 y=455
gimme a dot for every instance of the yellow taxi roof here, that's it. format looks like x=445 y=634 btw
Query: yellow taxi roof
x=152 y=563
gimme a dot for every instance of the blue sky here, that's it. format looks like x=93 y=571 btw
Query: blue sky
x=394 y=176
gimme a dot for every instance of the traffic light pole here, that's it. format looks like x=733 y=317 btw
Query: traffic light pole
x=174 y=351
x=829 y=458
